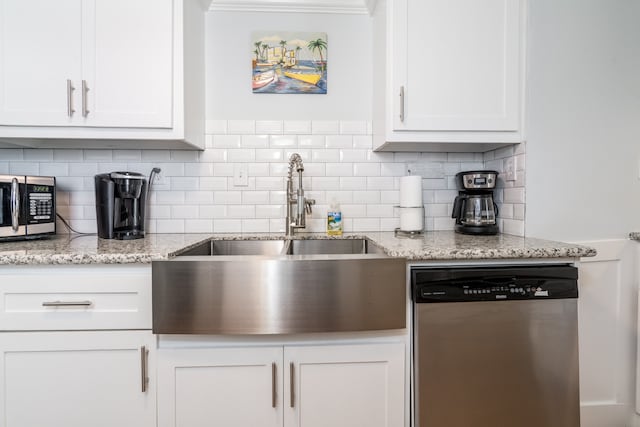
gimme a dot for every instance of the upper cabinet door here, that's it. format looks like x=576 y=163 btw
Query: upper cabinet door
x=127 y=67
x=40 y=61
x=456 y=65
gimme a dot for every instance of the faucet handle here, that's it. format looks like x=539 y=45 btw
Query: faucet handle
x=307 y=205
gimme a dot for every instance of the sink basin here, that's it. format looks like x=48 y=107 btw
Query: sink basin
x=283 y=247
x=279 y=287
x=236 y=247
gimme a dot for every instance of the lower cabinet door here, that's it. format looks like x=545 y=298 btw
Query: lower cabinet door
x=344 y=385
x=77 y=379
x=226 y=387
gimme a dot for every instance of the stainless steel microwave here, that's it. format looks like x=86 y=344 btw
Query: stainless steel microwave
x=27 y=207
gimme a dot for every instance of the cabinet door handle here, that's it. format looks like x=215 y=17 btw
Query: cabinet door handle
x=273 y=385
x=70 y=90
x=402 y=103
x=85 y=98
x=144 y=361
x=292 y=395
x=67 y=304
x=15 y=204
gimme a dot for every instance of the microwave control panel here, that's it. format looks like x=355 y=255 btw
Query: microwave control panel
x=40 y=202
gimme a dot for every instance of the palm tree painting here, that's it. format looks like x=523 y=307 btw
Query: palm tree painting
x=289 y=62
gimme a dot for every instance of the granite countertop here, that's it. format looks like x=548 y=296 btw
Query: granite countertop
x=436 y=245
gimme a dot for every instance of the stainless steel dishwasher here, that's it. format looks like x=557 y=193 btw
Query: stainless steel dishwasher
x=496 y=346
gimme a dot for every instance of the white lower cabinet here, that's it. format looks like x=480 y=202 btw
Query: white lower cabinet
x=306 y=386
x=77 y=379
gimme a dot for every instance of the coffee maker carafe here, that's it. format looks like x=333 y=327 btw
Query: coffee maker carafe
x=474 y=209
x=120 y=205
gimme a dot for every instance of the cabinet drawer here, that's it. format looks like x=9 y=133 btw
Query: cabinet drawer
x=75 y=298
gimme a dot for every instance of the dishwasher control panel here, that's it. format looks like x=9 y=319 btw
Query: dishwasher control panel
x=434 y=285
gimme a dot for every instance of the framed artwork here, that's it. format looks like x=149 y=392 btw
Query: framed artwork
x=289 y=62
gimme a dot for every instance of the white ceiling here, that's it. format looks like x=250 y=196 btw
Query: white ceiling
x=300 y=6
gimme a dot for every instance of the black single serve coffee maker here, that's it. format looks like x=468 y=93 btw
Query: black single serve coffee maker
x=121 y=204
x=474 y=209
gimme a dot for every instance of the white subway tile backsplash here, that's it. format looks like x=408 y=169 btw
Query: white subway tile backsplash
x=170 y=226
x=327 y=155
x=241 y=127
x=297 y=127
x=213 y=183
x=311 y=141
x=353 y=183
x=198 y=191
x=514 y=195
x=8 y=154
x=198 y=226
x=226 y=141
x=184 y=212
x=273 y=127
x=83 y=169
x=227 y=197
x=241 y=155
x=269 y=155
x=67 y=155
x=198 y=197
x=339 y=169
x=215 y=127
x=339 y=141
x=393 y=169
x=42 y=155
x=255 y=225
x=155 y=155
x=254 y=141
x=51 y=169
x=227 y=226
x=366 y=169
x=212 y=211
x=380 y=183
x=363 y=141
x=24 y=168
x=283 y=141
x=270 y=183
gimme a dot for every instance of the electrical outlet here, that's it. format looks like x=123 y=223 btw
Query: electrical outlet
x=240 y=175
x=160 y=179
x=510 y=169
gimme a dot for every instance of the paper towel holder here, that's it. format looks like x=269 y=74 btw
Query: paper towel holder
x=416 y=231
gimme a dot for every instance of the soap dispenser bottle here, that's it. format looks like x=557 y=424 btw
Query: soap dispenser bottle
x=334 y=219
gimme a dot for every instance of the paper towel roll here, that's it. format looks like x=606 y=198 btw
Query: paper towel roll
x=410 y=191
x=411 y=219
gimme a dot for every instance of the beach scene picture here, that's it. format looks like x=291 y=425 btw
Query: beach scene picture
x=289 y=62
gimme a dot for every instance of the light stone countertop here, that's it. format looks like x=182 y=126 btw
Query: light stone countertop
x=436 y=245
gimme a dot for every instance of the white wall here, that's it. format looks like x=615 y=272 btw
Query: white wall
x=228 y=62
x=583 y=117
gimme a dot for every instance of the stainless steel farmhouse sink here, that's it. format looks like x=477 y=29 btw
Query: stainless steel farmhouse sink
x=279 y=287
x=283 y=247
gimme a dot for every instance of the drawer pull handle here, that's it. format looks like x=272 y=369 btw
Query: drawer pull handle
x=144 y=365
x=67 y=304
x=273 y=385
x=292 y=395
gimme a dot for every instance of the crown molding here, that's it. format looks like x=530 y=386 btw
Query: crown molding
x=355 y=7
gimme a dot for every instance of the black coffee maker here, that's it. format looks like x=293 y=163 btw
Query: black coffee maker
x=120 y=205
x=474 y=209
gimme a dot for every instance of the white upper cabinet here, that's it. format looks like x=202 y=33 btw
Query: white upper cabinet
x=448 y=74
x=40 y=59
x=99 y=71
x=127 y=61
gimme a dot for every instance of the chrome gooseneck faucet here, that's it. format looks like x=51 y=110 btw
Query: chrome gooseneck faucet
x=296 y=217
